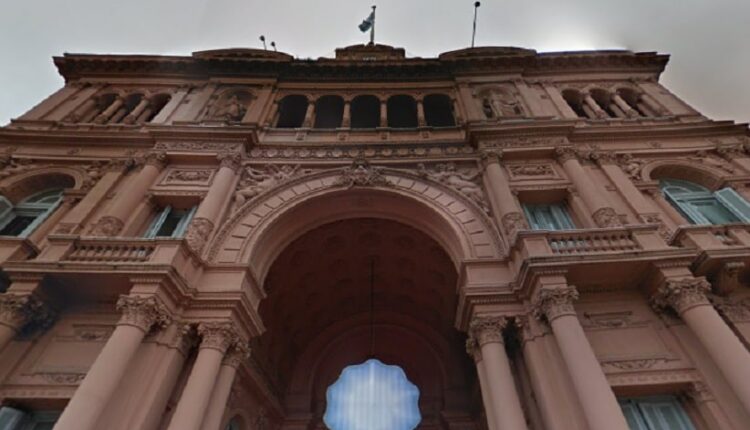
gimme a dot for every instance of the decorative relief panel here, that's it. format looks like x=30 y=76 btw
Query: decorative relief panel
x=464 y=180
x=188 y=177
x=500 y=101
x=531 y=171
x=192 y=146
x=254 y=182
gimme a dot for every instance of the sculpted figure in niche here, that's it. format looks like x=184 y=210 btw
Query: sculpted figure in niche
x=256 y=181
x=232 y=108
x=501 y=102
x=460 y=180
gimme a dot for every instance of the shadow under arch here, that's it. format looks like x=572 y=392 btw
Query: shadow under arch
x=701 y=174
x=23 y=184
x=258 y=231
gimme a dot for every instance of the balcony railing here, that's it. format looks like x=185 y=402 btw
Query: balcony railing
x=541 y=243
x=109 y=252
x=712 y=237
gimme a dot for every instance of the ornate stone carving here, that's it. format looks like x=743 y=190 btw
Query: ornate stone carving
x=603 y=157
x=501 y=102
x=10 y=166
x=534 y=170
x=664 y=231
x=144 y=313
x=107 y=226
x=254 y=182
x=184 y=338
x=637 y=364
x=217 y=335
x=384 y=151
x=462 y=180
x=700 y=392
x=188 y=175
x=514 y=222
x=682 y=294
x=730 y=152
x=631 y=166
x=565 y=153
x=66 y=228
x=93 y=333
x=63 y=378
x=18 y=311
x=489 y=156
x=551 y=303
x=487 y=329
x=606 y=217
x=237 y=354
x=198 y=232
x=472 y=348
x=362 y=174
x=197 y=146
x=607 y=320
x=734 y=310
x=157 y=159
x=233 y=108
x=231 y=160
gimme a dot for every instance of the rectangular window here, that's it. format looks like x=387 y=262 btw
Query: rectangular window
x=655 y=413
x=170 y=222
x=548 y=217
x=16 y=419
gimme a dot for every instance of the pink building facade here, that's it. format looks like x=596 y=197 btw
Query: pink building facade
x=540 y=241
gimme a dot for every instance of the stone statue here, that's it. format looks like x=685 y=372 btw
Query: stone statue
x=232 y=109
x=256 y=181
x=501 y=102
x=461 y=181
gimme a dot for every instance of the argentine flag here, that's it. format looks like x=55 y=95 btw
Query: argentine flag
x=367 y=23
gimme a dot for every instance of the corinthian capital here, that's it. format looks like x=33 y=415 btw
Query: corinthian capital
x=218 y=335
x=230 y=159
x=144 y=313
x=604 y=157
x=16 y=311
x=157 y=159
x=472 y=348
x=551 y=303
x=682 y=294
x=237 y=354
x=565 y=153
x=489 y=156
x=488 y=329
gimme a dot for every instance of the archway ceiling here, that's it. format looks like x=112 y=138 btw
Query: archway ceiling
x=324 y=277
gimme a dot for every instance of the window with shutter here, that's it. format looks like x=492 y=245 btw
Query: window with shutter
x=170 y=222
x=700 y=206
x=30 y=213
x=655 y=413
x=548 y=217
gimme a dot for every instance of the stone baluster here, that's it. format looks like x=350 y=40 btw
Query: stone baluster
x=346 y=118
x=555 y=304
x=506 y=406
x=134 y=115
x=421 y=121
x=207 y=214
x=139 y=316
x=601 y=212
x=218 y=403
x=216 y=339
x=19 y=310
x=594 y=106
x=622 y=104
x=688 y=297
x=472 y=348
x=109 y=111
x=114 y=219
x=508 y=212
x=383 y=113
x=271 y=118
x=309 y=120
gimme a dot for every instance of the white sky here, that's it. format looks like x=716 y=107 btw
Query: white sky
x=708 y=39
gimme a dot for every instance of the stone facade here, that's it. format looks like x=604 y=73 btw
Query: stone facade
x=291 y=184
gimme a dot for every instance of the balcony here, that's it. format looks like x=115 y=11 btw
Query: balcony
x=16 y=248
x=716 y=245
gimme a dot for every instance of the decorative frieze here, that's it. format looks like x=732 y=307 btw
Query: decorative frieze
x=488 y=329
x=362 y=174
x=682 y=294
x=391 y=151
x=144 y=313
x=631 y=166
x=198 y=146
x=187 y=177
x=531 y=171
x=551 y=303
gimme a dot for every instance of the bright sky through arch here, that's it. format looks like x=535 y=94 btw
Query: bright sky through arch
x=372 y=396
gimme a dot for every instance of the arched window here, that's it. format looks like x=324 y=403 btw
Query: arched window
x=701 y=206
x=604 y=99
x=292 y=111
x=402 y=112
x=365 y=112
x=21 y=219
x=155 y=106
x=329 y=111
x=575 y=101
x=438 y=111
x=372 y=396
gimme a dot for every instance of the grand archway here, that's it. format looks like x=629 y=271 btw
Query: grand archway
x=320 y=317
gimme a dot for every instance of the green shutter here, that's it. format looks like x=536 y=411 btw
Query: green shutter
x=548 y=217
x=734 y=203
x=632 y=415
x=179 y=231
x=12 y=418
x=664 y=414
x=157 y=222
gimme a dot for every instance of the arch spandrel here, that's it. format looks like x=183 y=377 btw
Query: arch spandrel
x=260 y=229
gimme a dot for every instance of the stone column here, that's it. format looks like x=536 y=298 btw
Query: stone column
x=346 y=118
x=384 y=113
x=622 y=104
x=602 y=213
x=114 y=219
x=18 y=310
x=139 y=316
x=600 y=406
x=506 y=406
x=191 y=409
x=137 y=110
x=508 y=212
x=421 y=122
x=309 y=120
x=233 y=360
x=472 y=348
x=110 y=110
x=207 y=215
x=688 y=297
x=594 y=106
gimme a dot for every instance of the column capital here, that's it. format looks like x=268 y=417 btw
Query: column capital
x=198 y=232
x=606 y=217
x=551 y=303
x=141 y=312
x=217 y=335
x=17 y=310
x=729 y=152
x=157 y=159
x=183 y=338
x=237 y=354
x=231 y=160
x=604 y=158
x=472 y=348
x=490 y=156
x=487 y=329
x=682 y=294
x=565 y=153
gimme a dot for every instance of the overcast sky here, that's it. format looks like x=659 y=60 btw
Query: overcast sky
x=709 y=40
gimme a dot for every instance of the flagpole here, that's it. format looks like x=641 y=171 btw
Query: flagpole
x=372 y=30
x=474 y=30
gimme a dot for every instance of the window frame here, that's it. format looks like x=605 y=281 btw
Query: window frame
x=688 y=198
x=559 y=219
x=30 y=208
x=161 y=217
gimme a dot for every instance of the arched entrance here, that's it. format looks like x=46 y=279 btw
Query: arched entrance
x=320 y=317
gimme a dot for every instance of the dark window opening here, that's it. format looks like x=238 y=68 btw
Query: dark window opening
x=575 y=101
x=157 y=104
x=329 y=111
x=292 y=111
x=402 y=112
x=438 y=111
x=17 y=225
x=365 y=112
x=604 y=100
x=633 y=100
